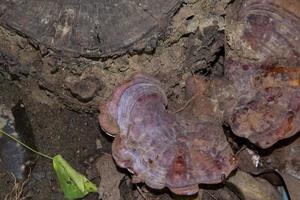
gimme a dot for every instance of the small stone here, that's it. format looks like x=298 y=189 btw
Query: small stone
x=254 y=188
x=98 y=144
x=84 y=90
x=193 y=25
x=110 y=178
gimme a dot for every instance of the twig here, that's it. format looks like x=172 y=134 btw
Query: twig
x=140 y=192
x=211 y=195
x=187 y=103
x=240 y=150
x=26 y=146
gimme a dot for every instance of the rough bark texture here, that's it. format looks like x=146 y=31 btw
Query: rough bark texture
x=80 y=81
x=89 y=28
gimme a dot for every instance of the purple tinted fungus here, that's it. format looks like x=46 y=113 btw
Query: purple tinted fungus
x=259 y=97
x=263 y=65
x=268 y=108
x=160 y=148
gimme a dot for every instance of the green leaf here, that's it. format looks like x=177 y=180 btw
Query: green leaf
x=73 y=184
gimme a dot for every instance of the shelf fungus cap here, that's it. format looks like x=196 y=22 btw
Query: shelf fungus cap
x=269 y=109
x=265 y=29
x=263 y=63
x=160 y=148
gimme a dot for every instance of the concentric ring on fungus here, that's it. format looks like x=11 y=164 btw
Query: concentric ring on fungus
x=160 y=148
x=259 y=97
x=263 y=65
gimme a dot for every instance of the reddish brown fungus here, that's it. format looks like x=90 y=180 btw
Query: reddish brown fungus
x=182 y=152
x=264 y=36
x=259 y=97
x=265 y=30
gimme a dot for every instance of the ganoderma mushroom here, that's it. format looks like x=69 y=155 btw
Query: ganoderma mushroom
x=160 y=148
x=259 y=97
x=263 y=67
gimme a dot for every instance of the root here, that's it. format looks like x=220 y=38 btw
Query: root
x=187 y=103
x=17 y=192
x=141 y=192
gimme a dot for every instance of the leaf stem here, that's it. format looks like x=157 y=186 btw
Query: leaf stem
x=26 y=146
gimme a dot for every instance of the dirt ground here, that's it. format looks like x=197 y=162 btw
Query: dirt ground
x=64 y=124
x=57 y=130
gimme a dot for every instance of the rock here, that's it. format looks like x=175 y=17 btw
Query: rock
x=110 y=178
x=85 y=90
x=293 y=186
x=253 y=188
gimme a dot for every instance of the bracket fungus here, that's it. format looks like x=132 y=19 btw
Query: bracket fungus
x=264 y=30
x=259 y=97
x=263 y=66
x=160 y=148
x=267 y=109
